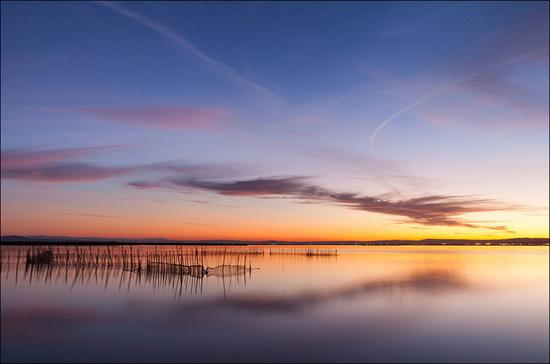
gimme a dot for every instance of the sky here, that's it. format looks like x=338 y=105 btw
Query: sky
x=265 y=120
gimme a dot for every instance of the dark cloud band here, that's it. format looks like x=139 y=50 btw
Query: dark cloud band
x=444 y=210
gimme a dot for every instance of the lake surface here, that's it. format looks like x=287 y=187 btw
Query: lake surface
x=364 y=304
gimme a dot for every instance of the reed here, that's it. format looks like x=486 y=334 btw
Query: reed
x=308 y=252
x=179 y=261
x=111 y=277
x=39 y=256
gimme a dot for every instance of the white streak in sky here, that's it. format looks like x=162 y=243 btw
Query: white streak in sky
x=188 y=47
x=428 y=96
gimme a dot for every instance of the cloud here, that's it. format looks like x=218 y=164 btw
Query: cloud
x=92 y=215
x=431 y=210
x=21 y=158
x=350 y=159
x=525 y=106
x=145 y=184
x=58 y=165
x=252 y=187
x=487 y=75
x=190 y=49
x=529 y=30
x=197 y=223
x=387 y=172
x=198 y=170
x=164 y=117
x=256 y=187
x=485 y=110
x=65 y=172
x=524 y=43
x=493 y=69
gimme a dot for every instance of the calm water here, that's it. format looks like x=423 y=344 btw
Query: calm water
x=388 y=304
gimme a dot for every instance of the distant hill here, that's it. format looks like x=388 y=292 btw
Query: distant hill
x=63 y=239
x=66 y=240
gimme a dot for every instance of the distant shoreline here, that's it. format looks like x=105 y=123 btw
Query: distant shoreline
x=19 y=240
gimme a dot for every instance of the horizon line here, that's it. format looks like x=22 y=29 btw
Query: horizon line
x=128 y=240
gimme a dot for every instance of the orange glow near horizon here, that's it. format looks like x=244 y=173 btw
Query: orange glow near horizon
x=345 y=225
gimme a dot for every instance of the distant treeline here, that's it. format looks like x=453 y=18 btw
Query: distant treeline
x=23 y=240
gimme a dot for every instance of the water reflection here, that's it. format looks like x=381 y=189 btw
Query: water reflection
x=366 y=304
x=430 y=281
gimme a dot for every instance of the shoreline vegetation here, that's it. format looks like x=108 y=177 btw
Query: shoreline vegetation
x=46 y=240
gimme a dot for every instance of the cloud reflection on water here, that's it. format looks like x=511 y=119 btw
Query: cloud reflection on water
x=433 y=282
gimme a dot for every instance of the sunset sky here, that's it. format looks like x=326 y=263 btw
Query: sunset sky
x=291 y=121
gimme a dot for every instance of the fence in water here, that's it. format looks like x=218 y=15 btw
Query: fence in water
x=181 y=269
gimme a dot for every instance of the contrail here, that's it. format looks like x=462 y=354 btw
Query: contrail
x=188 y=47
x=428 y=96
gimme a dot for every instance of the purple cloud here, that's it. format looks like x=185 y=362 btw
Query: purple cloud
x=65 y=172
x=252 y=187
x=58 y=165
x=164 y=117
x=524 y=45
x=486 y=81
x=51 y=166
x=443 y=210
x=21 y=158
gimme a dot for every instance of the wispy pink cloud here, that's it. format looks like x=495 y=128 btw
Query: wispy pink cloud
x=56 y=165
x=93 y=215
x=61 y=165
x=481 y=106
x=164 y=117
x=501 y=94
x=65 y=172
x=486 y=76
x=22 y=158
